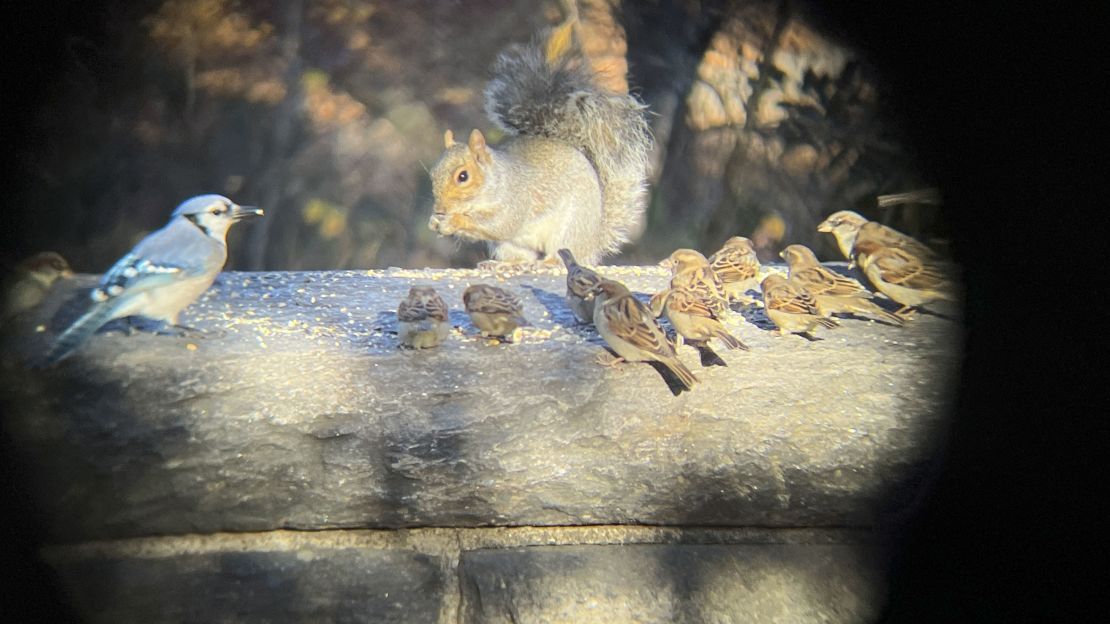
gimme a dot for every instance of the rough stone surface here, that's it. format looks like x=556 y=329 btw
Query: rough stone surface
x=292 y=407
x=308 y=585
x=793 y=584
x=611 y=574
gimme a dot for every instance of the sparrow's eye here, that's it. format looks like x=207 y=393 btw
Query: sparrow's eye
x=462 y=177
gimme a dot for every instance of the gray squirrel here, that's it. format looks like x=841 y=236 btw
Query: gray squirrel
x=573 y=173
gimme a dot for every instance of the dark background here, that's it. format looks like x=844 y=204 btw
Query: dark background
x=986 y=104
x=767 y=118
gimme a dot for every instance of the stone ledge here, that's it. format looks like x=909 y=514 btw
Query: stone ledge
x=677 y=583
x=579 y=574
x=293 y=408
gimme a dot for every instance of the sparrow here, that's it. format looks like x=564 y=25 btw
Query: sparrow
x=848 y=227
x=791 y=307
x=629 y=329
x=738 y=267
x=691 y=271
x=696 y=324
x=903 y=276
x=422 y=318
x=31 y=280
x=494 y=311
x=834 y=292
x=580 y=282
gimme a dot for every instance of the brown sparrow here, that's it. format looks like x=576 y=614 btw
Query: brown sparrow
x=903 y=276
x=422 y=318
x=494 y=311
x=791 y=307
x=834 y=292
x=629 y=329
x=691 y=271
x=580 y=284
x=848 y=227
x=738 y=267
x=697 y=324
x=31 y=280
x=695 y=321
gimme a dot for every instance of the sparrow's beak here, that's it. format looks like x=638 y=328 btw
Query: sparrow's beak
x=782 y=254
x=666 y=263
x=67 y=274
x=824 y=227
x=238 y=213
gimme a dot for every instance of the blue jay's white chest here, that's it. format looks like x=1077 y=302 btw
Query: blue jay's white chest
x=165 y=304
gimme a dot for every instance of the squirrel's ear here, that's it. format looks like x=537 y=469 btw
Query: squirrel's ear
x=477 y=145
x=448 y=138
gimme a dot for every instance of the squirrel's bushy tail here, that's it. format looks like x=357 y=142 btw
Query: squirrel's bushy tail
x=554 y=94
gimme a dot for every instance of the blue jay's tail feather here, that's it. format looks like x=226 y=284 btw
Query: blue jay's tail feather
x=79 y=332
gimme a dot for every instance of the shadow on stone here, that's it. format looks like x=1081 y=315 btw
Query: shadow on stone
x=345 y=585
x=663 y=583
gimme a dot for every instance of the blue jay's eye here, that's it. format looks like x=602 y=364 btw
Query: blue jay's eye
x=462 y=177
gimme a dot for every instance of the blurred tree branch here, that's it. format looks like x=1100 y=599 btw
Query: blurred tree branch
x=285 y=119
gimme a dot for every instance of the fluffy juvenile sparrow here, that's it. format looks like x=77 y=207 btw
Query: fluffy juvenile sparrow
x=580 y=284
x=834 y=292
x=848 y=227
x=904 y=277
x=792 y=307
x=629 y=329
x=697 y=324
x=691 y=271
x=422 y=318
x=30 y=280
x=494 y=311
x=738 y=267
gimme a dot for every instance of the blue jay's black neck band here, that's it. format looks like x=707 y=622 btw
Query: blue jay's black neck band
x=195 y=220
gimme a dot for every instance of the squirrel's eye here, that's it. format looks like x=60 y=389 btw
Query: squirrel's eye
x=462 y=177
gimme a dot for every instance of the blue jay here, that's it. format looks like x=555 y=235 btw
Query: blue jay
x=164 y=273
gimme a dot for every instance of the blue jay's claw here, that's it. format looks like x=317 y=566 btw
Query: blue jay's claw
x=169 y=329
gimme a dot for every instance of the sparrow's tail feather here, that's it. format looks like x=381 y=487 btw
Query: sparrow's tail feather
x=873 y=308
x=730 y=341
x=828 y=322
x=709 y=357
x=79 y=332
x=684 y=375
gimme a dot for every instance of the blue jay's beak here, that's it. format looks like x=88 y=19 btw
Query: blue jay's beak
x=238 y=213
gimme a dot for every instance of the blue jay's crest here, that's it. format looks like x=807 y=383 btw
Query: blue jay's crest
x=202 y=203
